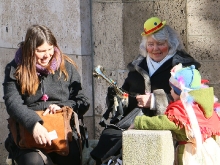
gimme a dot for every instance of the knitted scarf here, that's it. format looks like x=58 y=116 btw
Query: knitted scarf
x=208 y=126
x=54 y=64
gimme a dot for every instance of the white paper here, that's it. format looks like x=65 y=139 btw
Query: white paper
x=53 y=135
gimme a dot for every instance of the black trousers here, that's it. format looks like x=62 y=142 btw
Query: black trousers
x=108 y=139
x=32 y=157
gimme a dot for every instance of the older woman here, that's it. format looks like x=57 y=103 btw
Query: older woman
x=148 y=77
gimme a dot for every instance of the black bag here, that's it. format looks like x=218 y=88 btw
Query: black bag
x=118 y=120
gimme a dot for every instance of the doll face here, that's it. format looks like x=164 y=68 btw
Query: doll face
x=157 y=50
x=174 y=95
x=44 y=54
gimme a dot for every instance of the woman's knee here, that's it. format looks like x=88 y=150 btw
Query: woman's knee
x=30 y=158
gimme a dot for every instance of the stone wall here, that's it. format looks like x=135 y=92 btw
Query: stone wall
x=203 y=37
x=115 y=37
x=70 y=22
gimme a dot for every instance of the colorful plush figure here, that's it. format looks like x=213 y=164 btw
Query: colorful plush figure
x=191 y=118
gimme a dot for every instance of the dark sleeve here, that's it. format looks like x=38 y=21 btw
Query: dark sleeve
x=125 y=85
x=14 y=102
x=80 y=103
x=185 y=59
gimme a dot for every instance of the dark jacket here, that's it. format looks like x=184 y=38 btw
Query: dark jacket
x=60 y=92
x=138 y=81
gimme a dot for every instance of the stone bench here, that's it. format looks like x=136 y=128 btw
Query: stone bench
x=147 y=147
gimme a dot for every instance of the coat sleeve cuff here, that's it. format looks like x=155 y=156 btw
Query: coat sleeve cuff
x=161 y=101
x=152 y=102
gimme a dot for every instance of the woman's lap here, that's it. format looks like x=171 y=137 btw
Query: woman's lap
x=32 y=157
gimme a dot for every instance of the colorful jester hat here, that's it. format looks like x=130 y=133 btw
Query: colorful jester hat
x=189 y=80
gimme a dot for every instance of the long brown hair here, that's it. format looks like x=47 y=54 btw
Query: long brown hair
x=26 y=73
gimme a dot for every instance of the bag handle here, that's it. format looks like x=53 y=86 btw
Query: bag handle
x=78 y=138
x=76 y=121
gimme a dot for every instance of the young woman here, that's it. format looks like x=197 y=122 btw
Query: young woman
x=41 y=77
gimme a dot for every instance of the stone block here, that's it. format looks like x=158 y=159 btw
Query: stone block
x=69 y=24
x=135 y=14
x=174 y=12
x=108 y=46
x=203 y=8
x=203 y=18
x=202 y=26
x=6 y=56
x=210 y=70
x=204 y=47
x=147 y=147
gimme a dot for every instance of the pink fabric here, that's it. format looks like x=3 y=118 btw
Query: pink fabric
x=208 y=126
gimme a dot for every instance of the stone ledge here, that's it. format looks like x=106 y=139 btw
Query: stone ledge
x=147 y=147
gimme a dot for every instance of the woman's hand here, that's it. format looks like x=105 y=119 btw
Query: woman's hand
x=41 y=135
x=51 y=109
x=144 y=100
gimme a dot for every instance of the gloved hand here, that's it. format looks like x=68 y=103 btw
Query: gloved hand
x=109 y=102
x=110 y=96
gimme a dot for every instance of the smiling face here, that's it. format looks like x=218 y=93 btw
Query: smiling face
x=157 y=50
x=44 y=54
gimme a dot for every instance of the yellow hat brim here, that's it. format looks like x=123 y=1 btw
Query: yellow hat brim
x=163 y=24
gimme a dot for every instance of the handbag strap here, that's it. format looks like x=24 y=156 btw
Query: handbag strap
x=78 y=137
x=76 y=121
x=84 y=132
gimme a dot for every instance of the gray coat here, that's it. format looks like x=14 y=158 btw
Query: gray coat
x=60 y=92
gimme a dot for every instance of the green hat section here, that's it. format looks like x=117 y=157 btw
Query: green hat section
x=205 y=98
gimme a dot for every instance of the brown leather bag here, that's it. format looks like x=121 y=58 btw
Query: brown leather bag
x=63 y=121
